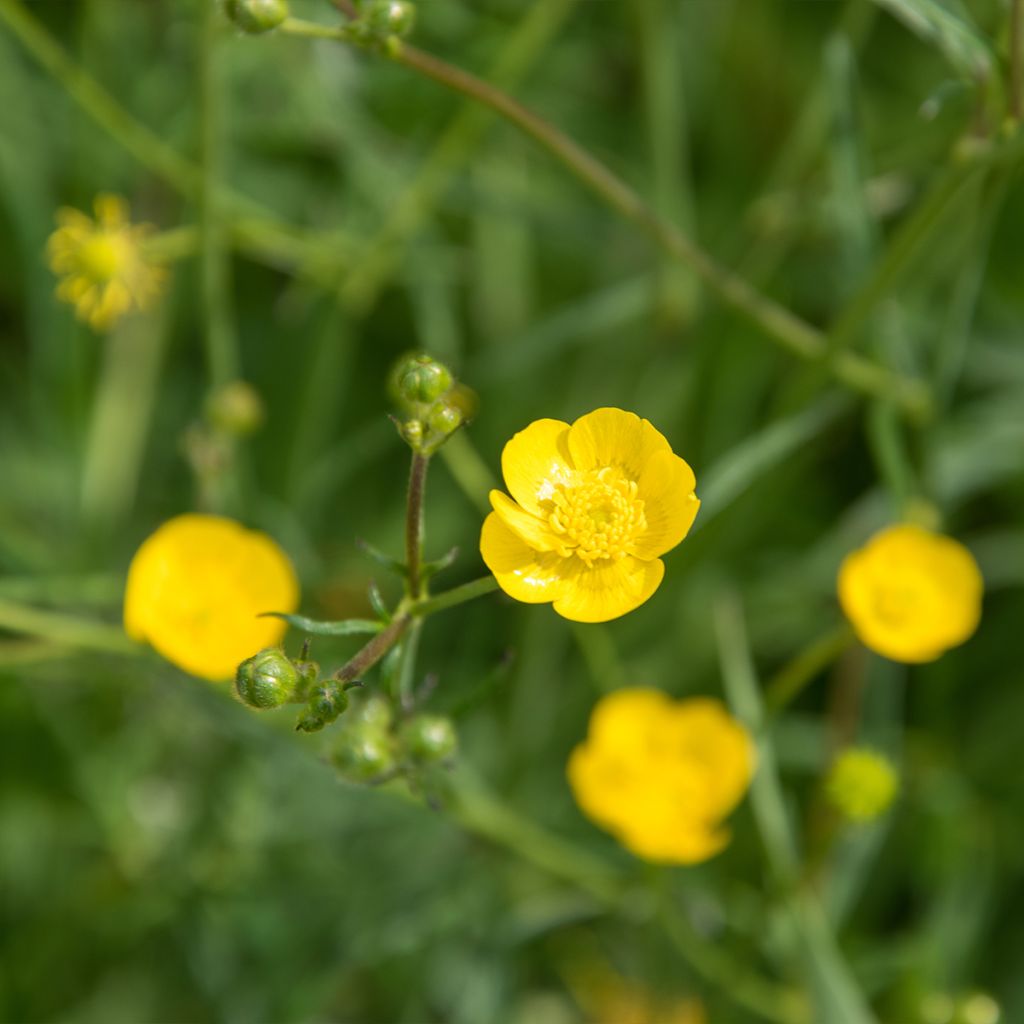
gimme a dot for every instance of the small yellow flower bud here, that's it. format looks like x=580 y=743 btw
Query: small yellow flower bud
x=267 y=679
x=256 y=16
x=429 y=738
x=235 y=409
x=861 y=784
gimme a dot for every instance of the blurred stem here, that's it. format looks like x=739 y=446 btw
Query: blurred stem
x=889 y=451
x=1016 y=56
x=481 y=813
x=791 y=680
x=173 y=245
x=221 y=346
x=455 y=596
x=838 y=997
x=778 y=322
x=600 y=654
x=414 y=524
x=377 y=258
x=469 y=470
x=65 y=630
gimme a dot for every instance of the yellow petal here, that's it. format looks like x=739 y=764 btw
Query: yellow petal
x=111 y=210
x=613 y=437
x=608 y=589
x=535 y=460
x=523 y=573
x=681 y=842
x=670 y=506
x=530 y=528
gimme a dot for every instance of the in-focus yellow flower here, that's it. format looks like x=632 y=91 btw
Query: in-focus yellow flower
x=196 y=588
x=661 y=775
x=104 y=273
x=911 y=594
x=596 y=504
x=861 y=784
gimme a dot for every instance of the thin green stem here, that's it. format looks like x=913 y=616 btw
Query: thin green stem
x=455 y=596
x=776 y=321
x=1016 y=57
x=837 y=995
x=794 y=677
x=414 y=524
x=65 y=630
x=221 y=349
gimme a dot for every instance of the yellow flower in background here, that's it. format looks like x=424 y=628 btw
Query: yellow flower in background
x=861 y=784
x=661 y=775
x=196 y=588
x=911 y=594
x=104 y=273
x=607 y=998
x=595 y=505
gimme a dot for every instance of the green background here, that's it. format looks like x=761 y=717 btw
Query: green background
x=168 y=855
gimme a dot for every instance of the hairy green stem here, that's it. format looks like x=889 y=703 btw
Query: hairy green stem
x=451 y=598
x=414 y=524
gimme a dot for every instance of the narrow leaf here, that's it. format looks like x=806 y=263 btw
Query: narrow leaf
x=343 y=627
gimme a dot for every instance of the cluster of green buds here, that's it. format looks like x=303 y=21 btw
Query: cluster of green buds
x=270 y=679
x=433 y=404
x=373 y=747
x=256 y=16
x=382 y=23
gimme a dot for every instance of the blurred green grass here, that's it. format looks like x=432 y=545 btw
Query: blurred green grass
x=167 y=855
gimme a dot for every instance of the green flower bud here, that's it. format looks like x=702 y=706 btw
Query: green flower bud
x=391 y=18
x=267 y=679
x=256 y=16
x=365 y=754
x=412 y=433
x=235 y=409
x=419 y=380
x=327 y=700
x=444 y=418
x=429 y=738
x=373 y=714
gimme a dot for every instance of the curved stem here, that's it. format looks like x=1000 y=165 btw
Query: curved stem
x=791 y=680
x=368 y=656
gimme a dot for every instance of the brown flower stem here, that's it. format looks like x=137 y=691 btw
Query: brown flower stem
x=372 y=652
x=414 y=523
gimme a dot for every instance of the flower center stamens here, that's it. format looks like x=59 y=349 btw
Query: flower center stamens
x=597 y=515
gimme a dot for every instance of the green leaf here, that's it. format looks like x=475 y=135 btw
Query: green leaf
x=389 y=563
x=343 y=627
x=955 y=36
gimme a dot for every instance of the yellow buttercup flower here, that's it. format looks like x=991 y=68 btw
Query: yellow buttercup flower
x=196 y=588
x=911 y=594
x=661 y=775
x=596 y=504
x=104 y=272
x=861 y=784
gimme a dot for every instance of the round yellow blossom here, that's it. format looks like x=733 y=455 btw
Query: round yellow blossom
x=660 y=775
x=609 y=999
x=861 y=784
x=104 y=273
x=911 y=594
x=595 y=505
x=196 y=588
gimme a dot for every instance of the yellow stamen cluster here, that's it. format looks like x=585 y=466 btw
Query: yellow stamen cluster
x=598 y=515
x=103 y=269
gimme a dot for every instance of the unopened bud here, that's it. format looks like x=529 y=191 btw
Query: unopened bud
x=419 y=380
x=412 y=433
x=861 y=784
x=444 y=418
x=256 y=16
x=391 y=17
x=267 y=679
x=235 y=408
x=429 y=738
x=365 y=754
x=326 y=701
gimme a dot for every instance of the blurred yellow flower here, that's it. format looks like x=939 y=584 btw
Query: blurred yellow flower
x=660 y=775
x=195 y=588
x=911 y=594
x=609 y=999
x=861 y=784
x=104 y=273
x=596 y=504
